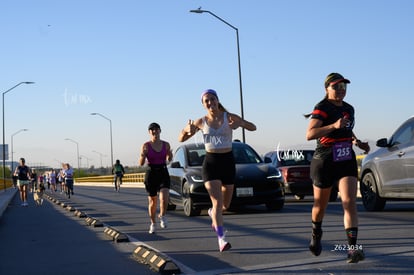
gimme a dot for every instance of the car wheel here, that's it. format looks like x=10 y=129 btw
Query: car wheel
x=369 y=192
x=275 y=205
x=188 y=204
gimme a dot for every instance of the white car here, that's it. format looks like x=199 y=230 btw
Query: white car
x=388 y=173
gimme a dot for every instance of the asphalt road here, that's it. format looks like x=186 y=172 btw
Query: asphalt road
x=263 y=242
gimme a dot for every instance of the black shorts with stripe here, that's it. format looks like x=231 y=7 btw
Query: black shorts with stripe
x=325 y=172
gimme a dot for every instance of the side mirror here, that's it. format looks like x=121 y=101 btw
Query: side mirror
x=175 y=164
x=267 y=160
x=383 y=142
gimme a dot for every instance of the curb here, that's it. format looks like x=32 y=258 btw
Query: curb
x=6 y=198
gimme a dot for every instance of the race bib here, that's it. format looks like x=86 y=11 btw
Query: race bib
x=342 y=151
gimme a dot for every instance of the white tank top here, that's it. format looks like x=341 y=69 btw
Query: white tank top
x=220 y=138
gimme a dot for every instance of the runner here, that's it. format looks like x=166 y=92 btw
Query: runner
x=118 y=171
x=23 y=180
x=334 y=163
x=52 y=179
x=33 y=182
x=68 y=178
x=219 y=168
x=157 y=180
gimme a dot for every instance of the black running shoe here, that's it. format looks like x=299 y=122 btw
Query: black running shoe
x=355 y=256
x=315 y=245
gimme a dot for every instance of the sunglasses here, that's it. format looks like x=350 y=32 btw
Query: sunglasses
x=339 y=86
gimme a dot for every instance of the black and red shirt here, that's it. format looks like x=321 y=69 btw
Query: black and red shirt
x=329 y=113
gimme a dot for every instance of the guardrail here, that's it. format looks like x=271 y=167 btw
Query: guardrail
x=136 y=177
x=9 y=183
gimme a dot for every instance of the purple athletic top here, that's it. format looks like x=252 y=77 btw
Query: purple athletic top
x=154 y=157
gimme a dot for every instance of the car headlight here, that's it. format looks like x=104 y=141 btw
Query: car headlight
x=196 y=178
x=275 y=175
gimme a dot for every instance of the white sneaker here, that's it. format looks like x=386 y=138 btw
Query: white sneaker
x=152 y=228
x=163 y=222
x=223 y=245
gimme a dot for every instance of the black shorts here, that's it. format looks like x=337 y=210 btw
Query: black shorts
x=118 y=175
x=156 y=178
x=69 y=183
x=219 y=166
x=325 y=172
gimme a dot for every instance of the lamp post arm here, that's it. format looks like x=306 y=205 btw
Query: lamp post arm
x=222 y=20
x=219 y=18
x=110 y=135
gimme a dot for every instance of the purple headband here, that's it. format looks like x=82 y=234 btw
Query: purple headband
x=209 y=91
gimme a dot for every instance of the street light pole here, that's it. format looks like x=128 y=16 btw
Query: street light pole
x=21 y=130
x=77 y=153
x=87 y=160
x=199 y=10
x=110 y=134
x=4 y=132
x=100 y=156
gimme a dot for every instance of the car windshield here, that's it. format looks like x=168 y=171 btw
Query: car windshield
x=295 y=157
x=196 y=156
x=243 y=154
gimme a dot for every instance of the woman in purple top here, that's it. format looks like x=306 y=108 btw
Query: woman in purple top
x=157 y=180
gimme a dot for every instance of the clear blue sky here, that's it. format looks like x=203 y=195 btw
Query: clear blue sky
x=142 y=61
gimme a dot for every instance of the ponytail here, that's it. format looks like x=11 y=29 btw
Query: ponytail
x=309 y=115
x=221 y=108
